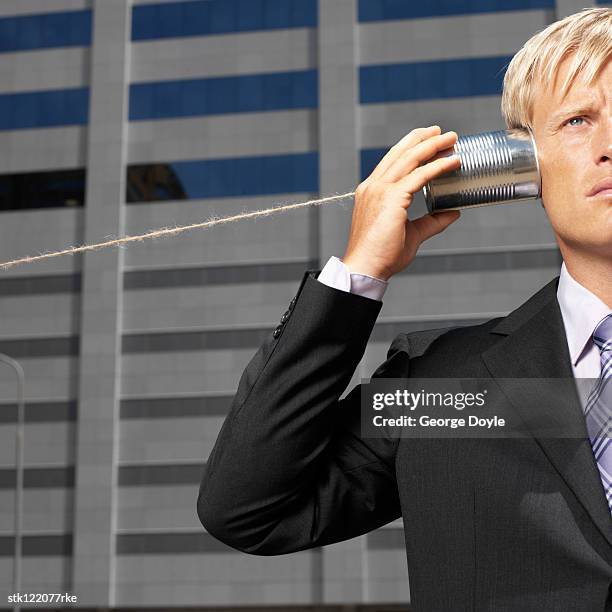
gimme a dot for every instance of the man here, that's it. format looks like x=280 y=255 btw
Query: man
x=490 y=524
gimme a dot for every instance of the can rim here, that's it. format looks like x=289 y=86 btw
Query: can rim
x=428 y=198
x=537 y=160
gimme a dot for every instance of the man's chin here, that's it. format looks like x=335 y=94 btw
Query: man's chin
x=596 y=245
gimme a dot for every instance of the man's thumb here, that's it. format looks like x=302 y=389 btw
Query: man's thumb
x=431 y=224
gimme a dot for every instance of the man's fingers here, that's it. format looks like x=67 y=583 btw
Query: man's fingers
x=418 y=178
x=408 y=141
x=419 y=154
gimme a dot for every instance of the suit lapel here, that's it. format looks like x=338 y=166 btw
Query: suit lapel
x=536 y=347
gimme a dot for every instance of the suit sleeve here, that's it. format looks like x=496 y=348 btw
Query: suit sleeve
x=289 y=469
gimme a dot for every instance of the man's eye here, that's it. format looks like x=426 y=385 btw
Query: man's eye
x=569 y=121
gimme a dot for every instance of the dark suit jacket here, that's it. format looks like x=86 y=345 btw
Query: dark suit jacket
x=490 y=524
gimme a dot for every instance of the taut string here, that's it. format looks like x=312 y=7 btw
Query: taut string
x=170 y=231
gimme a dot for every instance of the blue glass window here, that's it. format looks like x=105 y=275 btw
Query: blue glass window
x=47 y=30
x=218 y=178
x=456 y=78
x=57 y=188
x=205 y=17
x=39 y=109
x=369 y=161
x=222 y=95
x=382 y=10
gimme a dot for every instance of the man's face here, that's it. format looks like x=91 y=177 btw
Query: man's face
x=574 y=140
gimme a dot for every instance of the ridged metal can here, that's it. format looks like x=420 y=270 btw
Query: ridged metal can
x=496 y=167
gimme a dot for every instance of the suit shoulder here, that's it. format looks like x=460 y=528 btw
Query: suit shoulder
x=459 y=339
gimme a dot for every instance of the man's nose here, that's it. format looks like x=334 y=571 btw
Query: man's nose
x=603 y=142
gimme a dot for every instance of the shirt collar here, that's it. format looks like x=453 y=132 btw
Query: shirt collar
x=581 y=311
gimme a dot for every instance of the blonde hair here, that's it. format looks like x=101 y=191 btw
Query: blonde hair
x=587 y=34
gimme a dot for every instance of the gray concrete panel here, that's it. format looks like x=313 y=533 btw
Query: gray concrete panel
x=98 y=384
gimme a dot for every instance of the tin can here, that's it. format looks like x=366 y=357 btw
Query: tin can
x=496 y=167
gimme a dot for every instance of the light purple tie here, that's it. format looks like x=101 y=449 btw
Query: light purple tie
x=598 y=409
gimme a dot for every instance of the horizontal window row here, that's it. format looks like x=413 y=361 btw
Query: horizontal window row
x=142 y=408
x=39 y=478
x=209 y=340
x=232 y=274
x=52 y=545
x=46 y=30
x=217 y=178
x=41 y=109
x=453 y=78
x=180 y=180
x=59 y=188
x=214 y=17
x=171 y=543
x=386 y=538
x=277 y=272
x=209 y=17
x=206 y=17
x=223 y=95
x=63 y=477
x=383 y=10
x=236 y=339
x=40 y=411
